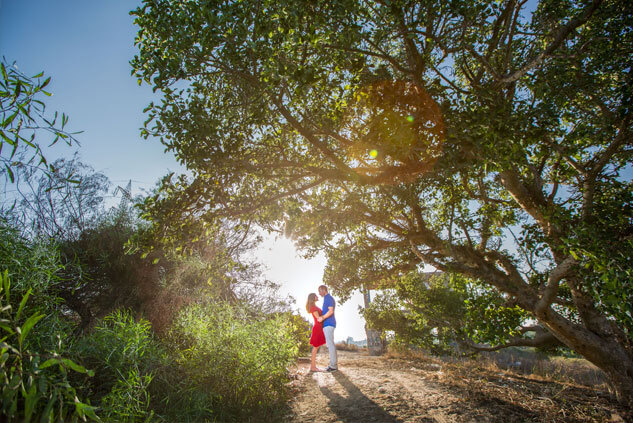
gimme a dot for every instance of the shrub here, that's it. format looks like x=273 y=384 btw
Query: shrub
x=237 y=362
x=32 y=385
x=129 y=399
x=301 y=330
x=31 y=265
x=124 y=355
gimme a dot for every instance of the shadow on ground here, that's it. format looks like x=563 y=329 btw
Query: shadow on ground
x=356 y=406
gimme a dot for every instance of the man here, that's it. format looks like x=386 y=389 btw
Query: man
x=329 y=323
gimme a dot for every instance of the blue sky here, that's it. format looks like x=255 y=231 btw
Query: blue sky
x=86 y=46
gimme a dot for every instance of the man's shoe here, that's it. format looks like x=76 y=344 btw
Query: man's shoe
x=330 y=369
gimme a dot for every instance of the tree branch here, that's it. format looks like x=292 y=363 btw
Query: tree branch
x=542 y=339
x=559 y=37
x=526 y=199
x=599 y=162
x=553 y=282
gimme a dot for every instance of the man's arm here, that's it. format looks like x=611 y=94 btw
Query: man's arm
x=330 y=311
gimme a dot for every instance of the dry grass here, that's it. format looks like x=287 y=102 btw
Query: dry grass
x=562 y=369
x=558 y=389
x=344 y=346
x=525 y=362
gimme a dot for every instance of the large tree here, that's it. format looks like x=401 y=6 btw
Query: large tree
x=490 y=139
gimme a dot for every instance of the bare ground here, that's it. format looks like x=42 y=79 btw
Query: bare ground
x=382 y=389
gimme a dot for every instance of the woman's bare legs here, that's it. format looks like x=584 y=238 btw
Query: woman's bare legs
x=313 y=367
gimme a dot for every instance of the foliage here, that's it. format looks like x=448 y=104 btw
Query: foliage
x=91 y=271
x=129 y=399
x=392 y=312
x=31 y=264
x=34 y=267
x=605 y=252
x=482 y=138
x=301 y=331
x=237 y=361
x=135 y=378
x=123 y=353
x=22 y=116
x=443 y=313
x=101 y=275
x=34 y=386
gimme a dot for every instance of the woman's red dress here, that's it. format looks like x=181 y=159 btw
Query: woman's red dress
x=318 y=337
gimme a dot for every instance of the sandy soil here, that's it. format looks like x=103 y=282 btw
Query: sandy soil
x=380 y=389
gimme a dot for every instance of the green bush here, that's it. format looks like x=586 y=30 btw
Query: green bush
x=237 y=362
x=301 y=331
x=31 y=265
x=124 y=355
x=33 y=385
x=129 y=399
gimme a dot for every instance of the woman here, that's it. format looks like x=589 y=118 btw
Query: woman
x=318 y=338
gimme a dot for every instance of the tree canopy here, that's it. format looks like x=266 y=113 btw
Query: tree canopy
x=490 y=139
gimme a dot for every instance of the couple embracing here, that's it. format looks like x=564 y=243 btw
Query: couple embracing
x=323 y=330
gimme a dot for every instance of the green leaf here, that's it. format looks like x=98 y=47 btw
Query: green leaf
x=45 y=83
x=7 y=328
x=22 y=303
x=86 y=410
x=76 y=367
x=6 y=284
x=7 y=139
x=10 y=119
x=27 y=326
x=29 y=403
x=48 y=363
x=47 y=414
x=5 y=346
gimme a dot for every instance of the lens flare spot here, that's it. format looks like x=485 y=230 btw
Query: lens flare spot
x=410 y=118
x=373 y=154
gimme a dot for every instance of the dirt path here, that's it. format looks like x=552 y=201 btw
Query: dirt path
x=379 y=389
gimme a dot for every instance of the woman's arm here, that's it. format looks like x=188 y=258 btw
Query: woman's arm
x=315 y=314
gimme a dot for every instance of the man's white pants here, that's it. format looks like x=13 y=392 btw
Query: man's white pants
x=331 y=347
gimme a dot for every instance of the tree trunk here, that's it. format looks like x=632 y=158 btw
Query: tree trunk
x=81 y=308
x=605 y=348
x=593 y=336
x=374 y=342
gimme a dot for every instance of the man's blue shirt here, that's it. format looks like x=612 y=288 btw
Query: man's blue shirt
x=328 y=301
